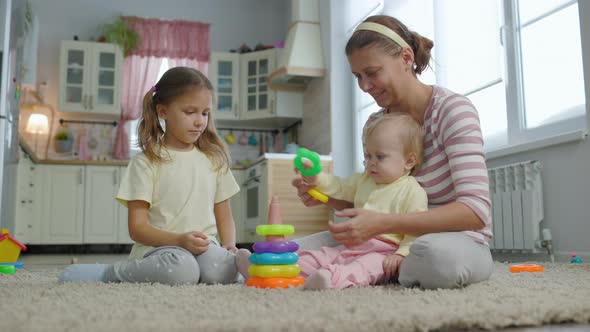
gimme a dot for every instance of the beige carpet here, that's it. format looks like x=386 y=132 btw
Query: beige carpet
x=33 y=301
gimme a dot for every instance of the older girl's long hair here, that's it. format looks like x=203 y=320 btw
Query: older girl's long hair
x=175 y=82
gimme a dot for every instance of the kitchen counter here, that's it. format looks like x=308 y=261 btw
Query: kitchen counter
x=25 y=146
x=275 y=156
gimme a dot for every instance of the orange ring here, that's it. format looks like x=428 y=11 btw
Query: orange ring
x=259 y=282
x=526 y=268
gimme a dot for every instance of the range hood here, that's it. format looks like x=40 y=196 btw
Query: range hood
x=302 y=59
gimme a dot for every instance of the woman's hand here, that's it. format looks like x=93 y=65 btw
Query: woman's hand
x=302 y=189
x=363 y=226
x=391 y=266
x=195 y=242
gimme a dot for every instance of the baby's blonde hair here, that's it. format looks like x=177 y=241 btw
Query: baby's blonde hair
x=175 y=82
x=409 y=131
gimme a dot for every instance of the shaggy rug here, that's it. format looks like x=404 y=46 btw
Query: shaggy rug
x=33 y=301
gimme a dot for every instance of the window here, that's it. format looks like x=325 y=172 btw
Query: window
x=132 y=125
x=518 y=61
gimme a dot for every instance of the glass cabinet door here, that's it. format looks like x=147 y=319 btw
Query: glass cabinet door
x=105 y=94
x=225 y=85
x=74 y=79
x=257 y=98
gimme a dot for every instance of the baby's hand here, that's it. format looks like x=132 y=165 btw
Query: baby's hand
x=195 y=242
x=309 y=180
x=231 y=248
x=391 y=266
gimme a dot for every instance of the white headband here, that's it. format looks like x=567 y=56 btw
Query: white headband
x=371 y=26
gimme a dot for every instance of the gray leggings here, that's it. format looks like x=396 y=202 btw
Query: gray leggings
x=176 y=266
x=437 y=260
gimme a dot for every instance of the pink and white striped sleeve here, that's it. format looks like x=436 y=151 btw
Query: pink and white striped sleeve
x=460 y=133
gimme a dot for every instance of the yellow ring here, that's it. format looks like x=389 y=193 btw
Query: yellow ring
x=318 y=195
x=278 y=229
x=274 y=271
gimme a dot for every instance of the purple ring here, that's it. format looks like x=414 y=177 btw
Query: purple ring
x=276 y=247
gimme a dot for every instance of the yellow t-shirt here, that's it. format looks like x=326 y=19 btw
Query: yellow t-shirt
x=404 y=195
x=181 y=193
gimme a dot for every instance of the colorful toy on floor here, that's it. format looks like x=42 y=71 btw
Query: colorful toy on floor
x=518 y=268
x=316 y=168
x=576 y=260
x=273 y=261
x=10 y=249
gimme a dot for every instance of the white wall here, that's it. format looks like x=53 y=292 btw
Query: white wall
x=233 y=22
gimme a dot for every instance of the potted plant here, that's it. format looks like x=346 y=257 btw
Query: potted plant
x=121 y=34
x=63 y=141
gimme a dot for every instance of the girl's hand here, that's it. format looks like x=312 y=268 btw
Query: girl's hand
x=195 y=242
x=391 y=266
x=231 y=248
x=363 y=226
x=302 y=189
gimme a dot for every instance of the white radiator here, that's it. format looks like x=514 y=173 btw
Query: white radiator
x=517 y=206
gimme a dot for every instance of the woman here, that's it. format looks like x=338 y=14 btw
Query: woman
x=386 y=58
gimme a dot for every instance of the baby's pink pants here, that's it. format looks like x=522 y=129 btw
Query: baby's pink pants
x=360 y=265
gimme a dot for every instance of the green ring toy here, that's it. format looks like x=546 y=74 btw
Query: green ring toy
x=312 y=156
x=275 y=229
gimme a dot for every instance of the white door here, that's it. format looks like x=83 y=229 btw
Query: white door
x=224 y=73
x=105 y=86
x=63 y=205
x=256 y=99
x=75 y=67
x=123 y=228
x=101 y=214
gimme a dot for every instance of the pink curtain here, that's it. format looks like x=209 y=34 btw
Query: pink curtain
x=139 y=74
x=171 y=39
x=184 y=43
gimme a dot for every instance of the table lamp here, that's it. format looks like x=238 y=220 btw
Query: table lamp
x=37 y=124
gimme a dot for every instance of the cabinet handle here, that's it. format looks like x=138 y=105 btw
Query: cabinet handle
x=272 y=106
x=80 y=176
x=91 y=99
x=84 y=101
x=115 y=177
x=236 y=110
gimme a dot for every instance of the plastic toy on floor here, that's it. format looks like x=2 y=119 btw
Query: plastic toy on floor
x=273 y=261
x=10 y=249
x=315 y=169
x=576 y=260
x=518 y=268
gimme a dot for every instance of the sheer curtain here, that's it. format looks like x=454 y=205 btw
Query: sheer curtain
x=183 y=43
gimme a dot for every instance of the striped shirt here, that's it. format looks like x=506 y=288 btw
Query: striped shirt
x=454 y=168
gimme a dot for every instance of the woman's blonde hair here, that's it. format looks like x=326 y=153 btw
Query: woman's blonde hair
x=410 y=132
x=174 y=83
x=420 y=45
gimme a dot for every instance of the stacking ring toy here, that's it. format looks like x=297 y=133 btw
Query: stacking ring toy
x=275 y=229
x=274 y=282
x=526 y=268
x=272 y=258
x=273 y=271
x=276 y=247
x=315 y=169
x=314 y=157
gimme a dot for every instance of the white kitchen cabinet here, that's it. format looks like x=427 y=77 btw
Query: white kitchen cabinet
x=101 y=214
x=28 y=201
x=90 y=77
x=224 y=74
x=122 y=226
x=237 y=206
x=62 y=209
x=241 y=86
